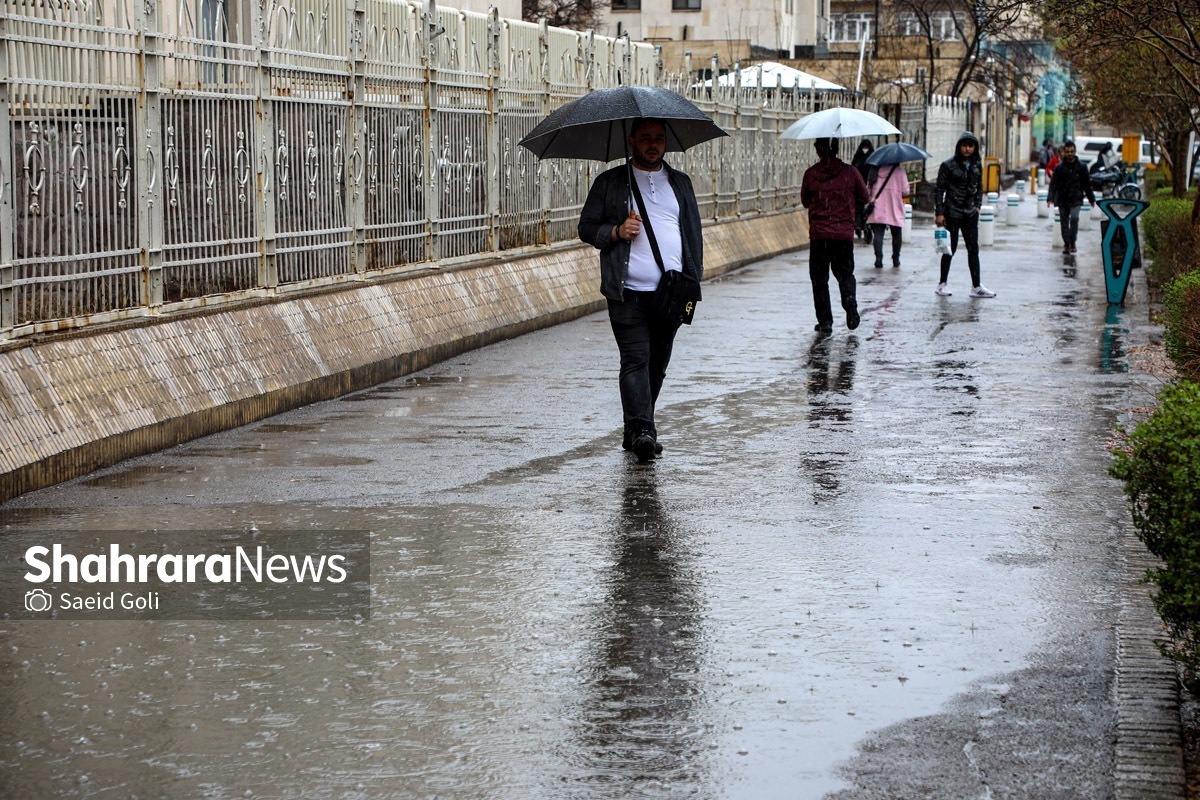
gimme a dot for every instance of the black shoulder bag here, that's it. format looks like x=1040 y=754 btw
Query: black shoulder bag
x=677 y=293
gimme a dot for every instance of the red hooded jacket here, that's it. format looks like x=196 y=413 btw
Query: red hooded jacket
x=830 y=190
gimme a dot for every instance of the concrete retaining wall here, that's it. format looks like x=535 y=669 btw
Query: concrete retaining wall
x=72 y=403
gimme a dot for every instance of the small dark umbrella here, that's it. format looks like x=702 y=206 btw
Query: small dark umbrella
x=595 y=126
x=896 y=153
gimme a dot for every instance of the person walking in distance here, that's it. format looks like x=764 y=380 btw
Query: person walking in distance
x=612 y=222
x=859 y=162
x=888 y=187
x=1068 y=186
x=957 y=199
x=830 y=189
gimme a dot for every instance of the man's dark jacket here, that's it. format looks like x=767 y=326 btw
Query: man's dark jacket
x=1069 y=184
x=607 y=205
x=959 y=191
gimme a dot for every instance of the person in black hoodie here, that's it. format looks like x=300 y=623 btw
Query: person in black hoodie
x=957 y=199
x=1070 y=183
x=861 y=229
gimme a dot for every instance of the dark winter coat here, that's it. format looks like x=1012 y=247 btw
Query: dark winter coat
x=1069 y=184
x=959 y=192
x=607 y=205
x=830 y=191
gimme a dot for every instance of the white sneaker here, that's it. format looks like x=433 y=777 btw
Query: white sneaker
x=943 y=290
x=982 y=291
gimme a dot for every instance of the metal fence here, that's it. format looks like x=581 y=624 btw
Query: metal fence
x=162 y=155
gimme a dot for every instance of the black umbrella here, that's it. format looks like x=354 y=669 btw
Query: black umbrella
x=595 y=126
x=896 y=153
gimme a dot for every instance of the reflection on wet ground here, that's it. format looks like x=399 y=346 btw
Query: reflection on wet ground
x=855 y=555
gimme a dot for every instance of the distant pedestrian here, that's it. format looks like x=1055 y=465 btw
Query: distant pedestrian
x=830 y=190
x=888 y=188
x=859 y=162
x=1045 y=154
x=957 y=199
x=1070 y=184
x=630 y=269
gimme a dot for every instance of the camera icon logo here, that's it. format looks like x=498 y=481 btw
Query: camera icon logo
x=38 y=600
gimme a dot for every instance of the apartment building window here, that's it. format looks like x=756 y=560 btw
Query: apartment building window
x=685 y=5
x=943 y=24
x=625 y=5
x=850 y=27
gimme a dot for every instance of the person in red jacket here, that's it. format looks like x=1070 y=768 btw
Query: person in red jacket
x=831 y=190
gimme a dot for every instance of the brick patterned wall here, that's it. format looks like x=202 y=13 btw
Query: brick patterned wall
x=73 y=403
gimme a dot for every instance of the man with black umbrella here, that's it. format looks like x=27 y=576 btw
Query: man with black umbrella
x=612 y=222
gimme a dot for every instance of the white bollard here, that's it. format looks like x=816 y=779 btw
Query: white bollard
x=993 y=199
x=1043 y=202
x=987 y=226
x=1021 y=188
x=1085 y=216
x=1057 y=239
x=1041 y=178
x=1097 y=214
x=1014 y=209
x=906 y=231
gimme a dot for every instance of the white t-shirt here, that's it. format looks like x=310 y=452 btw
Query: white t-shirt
x=663 y=208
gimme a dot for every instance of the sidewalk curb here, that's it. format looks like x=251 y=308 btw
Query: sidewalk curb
x=1149 y=744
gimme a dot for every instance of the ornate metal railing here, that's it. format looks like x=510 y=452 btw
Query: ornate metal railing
x=163 y=155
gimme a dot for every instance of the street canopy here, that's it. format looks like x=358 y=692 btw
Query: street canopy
x=776 y=76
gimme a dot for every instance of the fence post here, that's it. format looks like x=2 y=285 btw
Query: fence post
x=356 y=214
x=493 y=128
x=738 y=166
x=7 y=247
x=269 y=150
x=430 y=30
x=713 y=169
x=541 y=170
x=151 y=213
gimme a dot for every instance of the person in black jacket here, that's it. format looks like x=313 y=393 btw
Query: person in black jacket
x=629 y=272
x=861 y=229
x=957 y=199
x=1070 y=183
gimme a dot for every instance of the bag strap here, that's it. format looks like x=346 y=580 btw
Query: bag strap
x=637 y=193
x=885 y=182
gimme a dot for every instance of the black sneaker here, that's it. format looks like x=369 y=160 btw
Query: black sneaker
x=643 y=447
x=823 y=328
x=852 y=319
x=878 y=265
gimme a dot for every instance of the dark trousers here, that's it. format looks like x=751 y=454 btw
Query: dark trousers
x=969 y=226
x=837 y=256
x=645 y=344
x=877 y=232
x=1068 y=219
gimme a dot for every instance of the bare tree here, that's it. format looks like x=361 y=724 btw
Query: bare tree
x=968 y=30
x=580 y=15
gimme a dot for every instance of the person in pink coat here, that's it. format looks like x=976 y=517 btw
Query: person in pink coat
x=888 y=187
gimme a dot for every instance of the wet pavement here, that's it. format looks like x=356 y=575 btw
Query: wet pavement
x=881 y=565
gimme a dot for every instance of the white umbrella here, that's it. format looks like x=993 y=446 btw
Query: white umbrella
x=840 y=123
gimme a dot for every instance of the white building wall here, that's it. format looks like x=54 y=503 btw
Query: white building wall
x=774 y=24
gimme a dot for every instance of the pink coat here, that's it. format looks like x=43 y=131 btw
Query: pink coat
x=889 y=205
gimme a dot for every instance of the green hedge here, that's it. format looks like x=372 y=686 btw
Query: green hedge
x=1181 y=323
x=1160 y=465
x=1163 y=211
x=1171 y=242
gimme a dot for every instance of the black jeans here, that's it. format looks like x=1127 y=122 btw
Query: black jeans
x=970 y=234
x=645 y=344
x=877 y=231
x=824 y=256
x=1068 y=220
